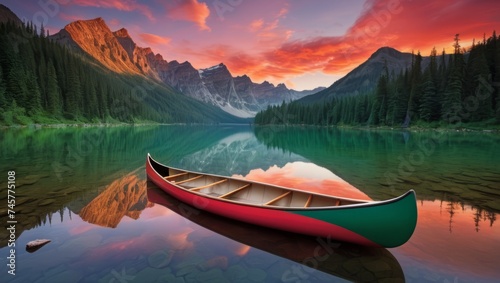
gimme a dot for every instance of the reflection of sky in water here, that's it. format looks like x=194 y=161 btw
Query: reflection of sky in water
x=307 y=177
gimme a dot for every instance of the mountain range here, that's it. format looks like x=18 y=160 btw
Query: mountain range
x=215 y=85
x=237 y=95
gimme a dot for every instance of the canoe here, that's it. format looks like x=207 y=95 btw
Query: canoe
x=323 y=254
x=388 y=223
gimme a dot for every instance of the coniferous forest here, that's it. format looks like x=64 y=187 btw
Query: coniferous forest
x=451 y=90
x=44 y=82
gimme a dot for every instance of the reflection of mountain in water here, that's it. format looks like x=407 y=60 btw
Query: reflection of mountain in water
x=236 y=154
x=123 y=197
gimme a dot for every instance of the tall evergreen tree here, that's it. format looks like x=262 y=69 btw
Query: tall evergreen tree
x=415 y=90
x=54 y=106
x=481 y=103
x=451 y=106
x=2 y=90
x=73 y=94
x=33 y=98
x=382 y=96
x=429 y=106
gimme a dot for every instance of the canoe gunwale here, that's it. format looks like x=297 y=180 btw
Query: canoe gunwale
x=361 y=204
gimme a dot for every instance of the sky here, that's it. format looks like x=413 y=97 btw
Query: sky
x=304 y=44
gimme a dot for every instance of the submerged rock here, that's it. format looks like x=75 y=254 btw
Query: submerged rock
x=35 y=245
x=160 y=259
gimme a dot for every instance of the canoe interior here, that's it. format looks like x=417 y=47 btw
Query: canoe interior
x=249 y=192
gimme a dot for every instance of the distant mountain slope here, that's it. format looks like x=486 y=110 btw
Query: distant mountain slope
x=364 y=77
x=6 y=15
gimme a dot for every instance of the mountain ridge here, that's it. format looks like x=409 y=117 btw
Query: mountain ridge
x=365 y=76
x=118 y=52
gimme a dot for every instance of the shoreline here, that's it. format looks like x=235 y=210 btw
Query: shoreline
x=387 y=128
x=105 y=125
x=463 y=129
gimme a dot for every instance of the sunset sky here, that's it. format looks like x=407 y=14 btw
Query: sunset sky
x=303 y=44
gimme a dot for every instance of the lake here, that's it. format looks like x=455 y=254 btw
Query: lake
x=85 y=189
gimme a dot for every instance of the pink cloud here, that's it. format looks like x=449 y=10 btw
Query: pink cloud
x=153 y=39
x=122 y=5
x=191 y=11
x=256 y=25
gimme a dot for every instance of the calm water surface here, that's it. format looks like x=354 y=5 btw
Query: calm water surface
x=85 y=189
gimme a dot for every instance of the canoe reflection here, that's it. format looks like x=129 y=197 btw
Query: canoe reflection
x=348 y=261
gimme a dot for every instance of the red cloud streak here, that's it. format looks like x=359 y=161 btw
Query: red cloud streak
x=153 y=39
x=122 y=5
x=404 y=25
x=191 y=11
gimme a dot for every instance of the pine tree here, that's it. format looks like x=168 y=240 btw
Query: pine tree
x=33 y=98
x=415 y=91
x=16 y=85
x=2 y=90
x=451 y=109
x=73 y=94
x=42 y=74
x=54 y=106
x=429 y=106
x=382 y=97
x=482 y=100
x=451 y=101
x=399 y=99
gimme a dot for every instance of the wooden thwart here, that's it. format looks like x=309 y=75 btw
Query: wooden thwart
x=235 y=191
x=278 y=198
x=209 y=185
x=189 y=180
x=308 y=202
x=176 y=175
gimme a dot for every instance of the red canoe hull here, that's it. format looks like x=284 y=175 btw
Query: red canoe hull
x=267 y=217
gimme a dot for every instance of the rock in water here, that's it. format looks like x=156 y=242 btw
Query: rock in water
x=35 y=245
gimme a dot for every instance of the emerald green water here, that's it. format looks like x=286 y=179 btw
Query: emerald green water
x=85 y=189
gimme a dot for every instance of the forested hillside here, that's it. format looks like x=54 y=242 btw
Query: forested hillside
x=451 y=90
x=44 y=82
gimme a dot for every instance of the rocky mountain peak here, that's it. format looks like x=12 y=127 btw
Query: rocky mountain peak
x=123 y=32
x=96 y=39
x=281 y=85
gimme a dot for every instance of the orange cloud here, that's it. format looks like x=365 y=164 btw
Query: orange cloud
x=256 y=25
x=307 y=177
x=191 y=11
x=122 y=5
x=153 y=39
x=271 y=52
x=404 y=25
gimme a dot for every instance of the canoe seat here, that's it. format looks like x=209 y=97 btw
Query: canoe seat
x=175 y=175
x=278 y=198
x=189 y=180
x=235 y=191
x=209 y=185
x=308 y=202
